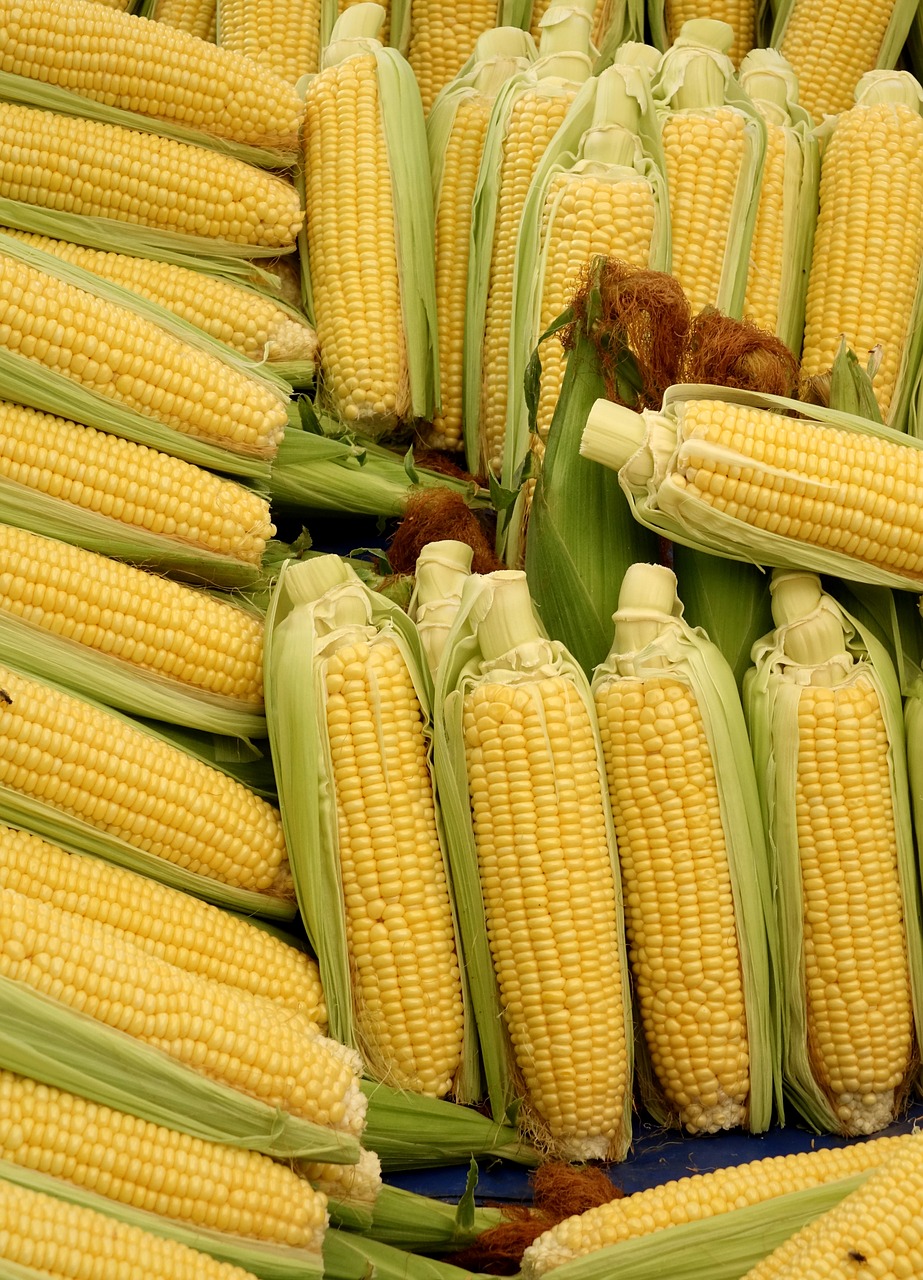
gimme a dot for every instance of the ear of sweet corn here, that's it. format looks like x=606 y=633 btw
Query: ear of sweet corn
x=198 y=17
x=714 y=142
x=667 y=17
x=535 y=871
x=282 y=38
x=525 y=117
x=731 y=473
x=348 y=705
x=381 y=372
x=439 y=42
x=698 y=898
x=873 y=297
x=780 y=253
x=456 y=130
x=826 y=722
x=832 y=46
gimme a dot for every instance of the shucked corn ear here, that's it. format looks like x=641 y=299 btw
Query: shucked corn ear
x=535 y=871
x=714 y=141
x=866 y=270
x=698 y=899
x=348 y=710
x=198 y=17
x=438 y=45
x=282 y=39
x=164 y=922
x=780 y=252
x=264 y=1050
x=372 y=262
x=825 y=718
x=525 y=117
x=831 y=46
x=609 y=1235
x=729 y=472
x=147 y=67
x=456 y=130
x=668 y=16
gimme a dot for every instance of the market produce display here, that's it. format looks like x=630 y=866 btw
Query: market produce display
x=325 y=862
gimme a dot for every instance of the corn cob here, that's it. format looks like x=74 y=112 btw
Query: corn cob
x=98 y=1148
x=831 y=46
x=381 y=373
x=672 y=1205
x=364 y=729
x=152 y=69
x=127 y=784
x=250 y=322
x=163 y=922
x=714 y=141
x=873 y=158
x=284 y=39
x=108 y=171
x=825 y=715
x=729 y=472
x=198 y=17
x=438 y=48
x=780 y=254
x=60 y=1241
x=54 y=318
x=223 y=1034
x=875 y=1229
x=528 y=820
x=456 y=130
x=697 y=893
x=524 y=119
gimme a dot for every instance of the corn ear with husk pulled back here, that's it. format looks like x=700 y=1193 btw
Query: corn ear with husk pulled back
x=691 y=474
x=714 y=144
x=824 y=710
x=665 y=678
x=533 y=1022
x=348 y=692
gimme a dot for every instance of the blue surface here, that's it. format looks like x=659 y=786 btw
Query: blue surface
x=657 y=1156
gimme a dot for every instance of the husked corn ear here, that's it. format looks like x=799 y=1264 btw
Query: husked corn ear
x=738 y=14
x=868 y=245
x=131 y=483
x=164 y=922
x=767 y=260
x=132 y=361
x=195 y=16
x=441 y=39
x=831 y=46
x=107 y=171
x=283 y=38
x=149 y=68
x=155 y=1168
x=187 y=635
x=65 y=1240
x=700 y=1196
x=101 y=769
x=265 y=1051
x=250 y=322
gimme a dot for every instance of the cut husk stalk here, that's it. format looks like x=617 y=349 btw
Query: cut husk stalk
x=652 y=642
x=441 y=572
x=312 y=601
x=644 y=452
x=64 y=1048
x=266 y=1260
x=841 y=651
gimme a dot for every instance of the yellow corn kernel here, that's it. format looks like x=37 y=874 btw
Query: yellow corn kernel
x=164 y=922
x=155 y=1168
x=441 y=39
x=131 y=483
x=284 y=38
x=739 y=14
x=81 y=166
x=261 y=1049
x=198 y=17
x=831 y=46
x=399 y=925
x=868 y=245
x=353 y=253
x=97 y=767
x=550 y=901
x=119 y=354
x=679 y=906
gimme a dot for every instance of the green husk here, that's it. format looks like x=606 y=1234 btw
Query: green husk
x=496 y=638
x=265 y=1260
x=312 y=601
x=67 y=1049
x=723 y=1247
x=668 y=647
x=420 y=1224
x=772 y=693
x=728 y=599
x=409 y=1131
x=652 y=499
x=441 y=571
x=348 y=1256
x=899 y=24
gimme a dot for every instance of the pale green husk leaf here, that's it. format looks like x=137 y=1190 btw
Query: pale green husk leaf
x=353 y=1257
x=421 y=1224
